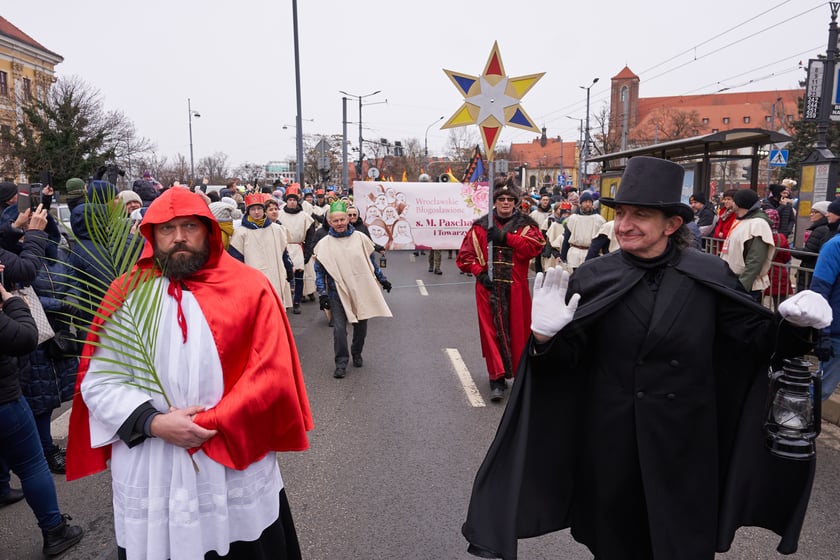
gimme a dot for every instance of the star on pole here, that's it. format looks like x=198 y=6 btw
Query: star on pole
x=492 y=100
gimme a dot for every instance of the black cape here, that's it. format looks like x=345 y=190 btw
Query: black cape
x=526 y=483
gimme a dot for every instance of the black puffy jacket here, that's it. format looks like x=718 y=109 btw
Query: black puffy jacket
x=18 y=337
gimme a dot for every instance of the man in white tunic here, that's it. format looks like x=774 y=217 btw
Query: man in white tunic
x=346 y=275
x=192 y=455
x=581 y=229
x=300 y=228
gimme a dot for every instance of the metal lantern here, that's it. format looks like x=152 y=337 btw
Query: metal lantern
x=793 y=410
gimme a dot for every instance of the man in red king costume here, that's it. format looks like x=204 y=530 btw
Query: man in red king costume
x=199 y=478
x=503 y=302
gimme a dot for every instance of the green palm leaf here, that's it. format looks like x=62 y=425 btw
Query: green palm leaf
x=132 y=331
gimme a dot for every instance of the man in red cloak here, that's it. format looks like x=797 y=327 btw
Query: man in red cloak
x=503 y=301
x=198 y=475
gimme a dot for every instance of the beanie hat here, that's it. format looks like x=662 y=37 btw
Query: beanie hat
x=586 y=196
x=130 y=196
x=823 y=207
x=74 y=187
x=745 y=198
x=224 y=211
x=834 y=207
x=776 y=190
x=7 y=191
x=699 y=197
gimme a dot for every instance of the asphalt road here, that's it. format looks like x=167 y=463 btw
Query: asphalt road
x=397 y=443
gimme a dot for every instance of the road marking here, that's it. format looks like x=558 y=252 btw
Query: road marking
x=473 y=396
x=60 y=426
x=422 y=287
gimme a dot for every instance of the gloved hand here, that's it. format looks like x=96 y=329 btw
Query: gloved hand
x=386 y=286
x=324 y=301
x=806 y=309
x=823 y=350
x=496 y=235
x=484 y=279
x=549 y=311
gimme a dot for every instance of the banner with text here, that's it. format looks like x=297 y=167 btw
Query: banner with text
x=407 y=216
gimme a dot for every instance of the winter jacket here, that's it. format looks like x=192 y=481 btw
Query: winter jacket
x=18 y=337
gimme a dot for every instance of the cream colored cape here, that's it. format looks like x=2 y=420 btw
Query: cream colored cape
x=347 y=260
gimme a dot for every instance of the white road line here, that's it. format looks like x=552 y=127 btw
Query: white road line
x=473 y=396
x=60 y=426
x=422 y=287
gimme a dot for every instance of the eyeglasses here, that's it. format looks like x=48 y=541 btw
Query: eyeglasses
x=352 y=215
x=505 y=199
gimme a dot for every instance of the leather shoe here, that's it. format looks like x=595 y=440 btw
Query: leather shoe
x=57 y=461
x=497 y=394
x=12 y=496
x=357 y=360
x=61 y=537
x=438 y=271
x=339 y=373
x=296 y=309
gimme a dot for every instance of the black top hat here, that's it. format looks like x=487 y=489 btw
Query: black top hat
x=654 y=183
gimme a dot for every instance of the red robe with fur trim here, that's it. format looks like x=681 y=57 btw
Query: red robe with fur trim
x=264 y=407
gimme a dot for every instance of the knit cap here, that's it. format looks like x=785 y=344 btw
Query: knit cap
x=823 y=207
x=130 y=196
x=74 y=187
x=745 y=198
x=225 y=210
x=7 y=190
x=834 y=207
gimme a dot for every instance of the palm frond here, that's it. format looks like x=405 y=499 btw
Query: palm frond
x=131 y=302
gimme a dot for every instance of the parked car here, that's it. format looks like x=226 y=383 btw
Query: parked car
x=61 y=213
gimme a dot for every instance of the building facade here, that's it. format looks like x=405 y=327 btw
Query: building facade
x=27 y=70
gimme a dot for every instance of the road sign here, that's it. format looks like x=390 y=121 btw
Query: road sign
x=778 y=158
x=373 y=173
x=813 y=90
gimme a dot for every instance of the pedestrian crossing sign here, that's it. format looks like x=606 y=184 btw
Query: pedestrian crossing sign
x=778 y=158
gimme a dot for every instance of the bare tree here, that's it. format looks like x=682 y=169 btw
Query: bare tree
x=250 y=173
x=214 y=168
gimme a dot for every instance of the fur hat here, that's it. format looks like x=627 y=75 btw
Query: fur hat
x=653 y=183
x=505 y=186
x=834 y=207
x=821 y=207
x=7 y=191
x=745 y=198
x=74 y=187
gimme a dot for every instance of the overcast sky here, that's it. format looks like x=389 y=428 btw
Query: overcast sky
x=235 y=60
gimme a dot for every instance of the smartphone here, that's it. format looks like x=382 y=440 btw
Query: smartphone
x=37 y=196
x=24 y=198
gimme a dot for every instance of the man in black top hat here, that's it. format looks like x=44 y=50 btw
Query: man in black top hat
x=635 y=417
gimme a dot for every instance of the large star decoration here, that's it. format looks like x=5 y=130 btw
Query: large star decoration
x=492 y=100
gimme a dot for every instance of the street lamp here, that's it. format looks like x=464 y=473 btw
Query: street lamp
x=586 y=139
x=360 y=97
x=426 y=142
x=192 y=114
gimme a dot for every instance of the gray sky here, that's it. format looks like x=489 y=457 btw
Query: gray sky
x=235 y=60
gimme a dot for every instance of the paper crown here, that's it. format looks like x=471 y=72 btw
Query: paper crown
x=256 y=199
x=338 y=206
x=293 y=190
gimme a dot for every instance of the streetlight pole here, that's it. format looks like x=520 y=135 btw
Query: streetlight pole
x=773 y=129
x=580 y=150
x=192 y=114
x=586 y=139
x=361 y=154
x=426 y=143
x=299 y=118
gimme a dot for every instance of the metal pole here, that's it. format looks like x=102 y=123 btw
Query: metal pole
x=426 y=143
x=299 y=127
x=192 y=168
x=345 y=176
x=828 y=81
x=773 y=129
x=586 y=139
x=361 y=154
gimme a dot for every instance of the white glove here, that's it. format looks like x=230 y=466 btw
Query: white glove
x=806 y=309
x=549 y=311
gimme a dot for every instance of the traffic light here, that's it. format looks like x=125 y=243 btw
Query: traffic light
x=746 y=173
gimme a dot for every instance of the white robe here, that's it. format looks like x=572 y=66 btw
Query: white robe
x=163 y=508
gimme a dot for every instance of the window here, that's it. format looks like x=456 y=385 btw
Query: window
x=714 y=130
x=705 y=120
x=4 y=84
x=746 y=120
x=725 y=120
x=768 y=118
x=27 y=89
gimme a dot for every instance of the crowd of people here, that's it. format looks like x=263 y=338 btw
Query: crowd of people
x=194 y=435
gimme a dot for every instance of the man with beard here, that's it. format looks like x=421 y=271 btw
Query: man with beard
x=197 y=477
x=300 y=228
x=636 y=417
x=503 y=301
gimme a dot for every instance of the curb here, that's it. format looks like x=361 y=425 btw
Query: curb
x=831 y=409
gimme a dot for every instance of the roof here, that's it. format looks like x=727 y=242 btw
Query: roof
x=625 y=74
x=11 y=31
x=552 y=155
x=696 y=146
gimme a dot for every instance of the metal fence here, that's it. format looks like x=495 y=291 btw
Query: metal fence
x=784 y=276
